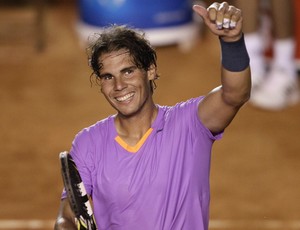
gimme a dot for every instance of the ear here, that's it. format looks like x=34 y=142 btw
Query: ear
x=151 y=73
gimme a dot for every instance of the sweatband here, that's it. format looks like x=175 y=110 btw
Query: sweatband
x=235 y=57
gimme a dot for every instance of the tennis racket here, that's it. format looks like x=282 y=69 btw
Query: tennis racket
x=76 y=192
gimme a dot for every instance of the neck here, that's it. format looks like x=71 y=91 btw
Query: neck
x=137 y=125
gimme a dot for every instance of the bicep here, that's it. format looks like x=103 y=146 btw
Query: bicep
x=215 y=113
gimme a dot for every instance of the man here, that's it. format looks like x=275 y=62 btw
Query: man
x=147 y=167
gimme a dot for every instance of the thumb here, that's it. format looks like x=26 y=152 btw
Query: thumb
x=202 y=12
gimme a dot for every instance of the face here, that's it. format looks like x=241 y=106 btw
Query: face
x=125 y=86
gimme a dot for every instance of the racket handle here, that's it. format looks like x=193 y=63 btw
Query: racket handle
x=87 y=224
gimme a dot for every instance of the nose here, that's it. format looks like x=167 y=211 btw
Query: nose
x=119 y=83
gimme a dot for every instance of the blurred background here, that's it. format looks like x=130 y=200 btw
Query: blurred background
x=46 y=97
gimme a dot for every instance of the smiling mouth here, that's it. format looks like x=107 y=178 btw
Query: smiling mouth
x=124 y=98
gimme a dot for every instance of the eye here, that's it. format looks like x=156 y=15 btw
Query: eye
x=128 y=72
x=106 y=77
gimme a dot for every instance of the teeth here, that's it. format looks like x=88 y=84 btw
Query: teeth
x=124 y=98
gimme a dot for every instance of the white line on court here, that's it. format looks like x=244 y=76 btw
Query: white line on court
x=213 y=224
x=26 y=224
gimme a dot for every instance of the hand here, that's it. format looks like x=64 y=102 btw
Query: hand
x=222 y=19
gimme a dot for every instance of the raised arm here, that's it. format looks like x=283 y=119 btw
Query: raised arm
x=220 y=106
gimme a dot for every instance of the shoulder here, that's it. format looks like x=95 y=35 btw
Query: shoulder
x=186 y=108
x=96 y=130
x=86 y=141
x=183 y=113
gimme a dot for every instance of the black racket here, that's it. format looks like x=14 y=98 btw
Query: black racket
x=76 y=192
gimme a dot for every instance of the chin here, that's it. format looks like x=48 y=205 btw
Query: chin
x=127 y=112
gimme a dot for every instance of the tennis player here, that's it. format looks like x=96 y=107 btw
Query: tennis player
x=147 y=166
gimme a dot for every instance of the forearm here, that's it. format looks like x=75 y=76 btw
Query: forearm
x=236 y=76
x=236 y=87
x=65 y=219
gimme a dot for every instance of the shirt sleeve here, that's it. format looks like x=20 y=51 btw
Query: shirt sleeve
x=81 y=154
x=189 y=109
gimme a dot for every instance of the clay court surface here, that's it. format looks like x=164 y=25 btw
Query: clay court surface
x=46 y=98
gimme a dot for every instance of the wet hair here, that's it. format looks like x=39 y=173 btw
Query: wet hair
x=115 y=38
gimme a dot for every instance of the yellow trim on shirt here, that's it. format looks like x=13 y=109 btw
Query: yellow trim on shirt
x=133 y=149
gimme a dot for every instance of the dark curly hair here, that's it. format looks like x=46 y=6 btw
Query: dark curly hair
x=116 y=37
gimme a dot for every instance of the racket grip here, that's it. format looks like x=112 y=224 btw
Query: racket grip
x=86 y=224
